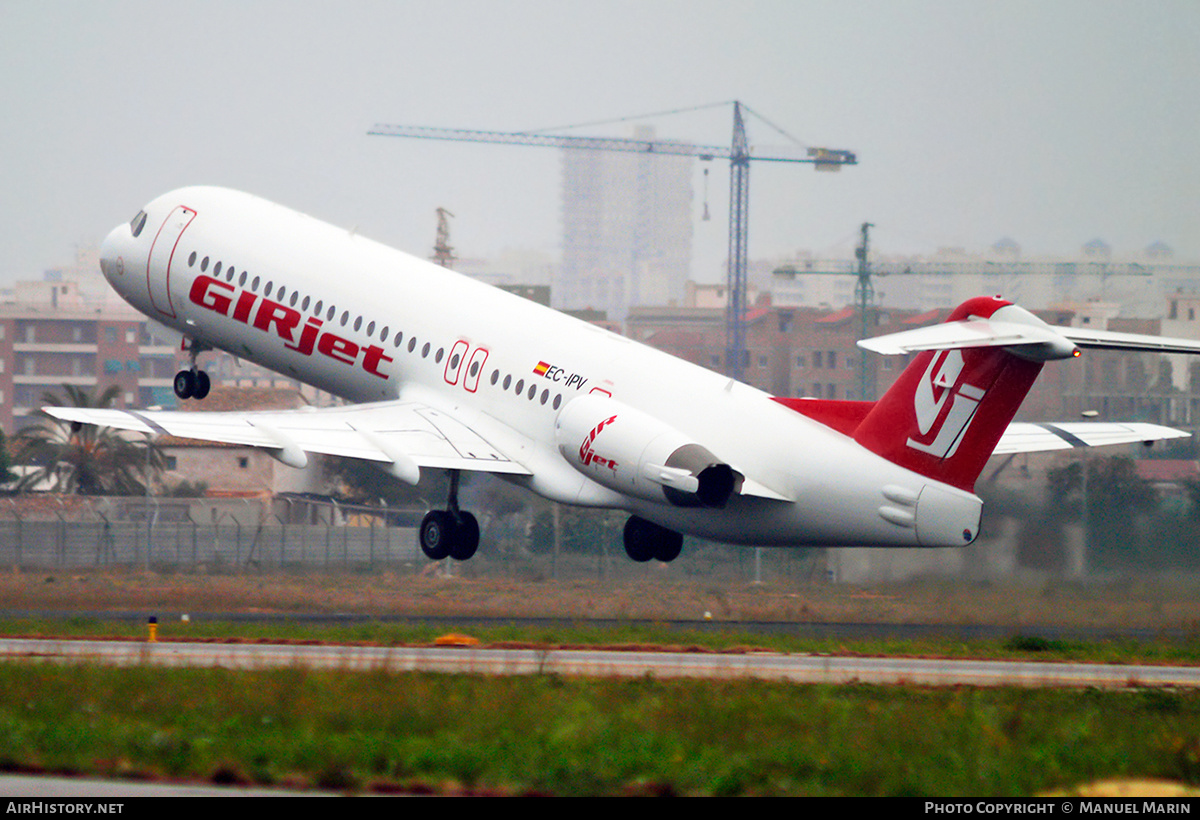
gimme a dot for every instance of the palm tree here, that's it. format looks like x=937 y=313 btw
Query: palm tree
x=6 y=475
x=82 y=458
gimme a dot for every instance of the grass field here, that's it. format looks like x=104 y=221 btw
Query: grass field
x=549 y=735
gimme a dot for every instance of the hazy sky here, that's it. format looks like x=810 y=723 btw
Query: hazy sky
x=1052 y=121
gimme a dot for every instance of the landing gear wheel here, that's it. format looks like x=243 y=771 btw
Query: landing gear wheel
x=645 y=541
x=466 y=537
x=437 y=534
x=185 y=384
x=203 y=385
x=449 y=533
x=669 y=547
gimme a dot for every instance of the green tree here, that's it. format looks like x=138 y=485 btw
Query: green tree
x=84 y=459
x=5 y=461
x=1115 y=502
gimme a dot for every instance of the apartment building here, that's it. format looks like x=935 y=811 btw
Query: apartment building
x=51 y=335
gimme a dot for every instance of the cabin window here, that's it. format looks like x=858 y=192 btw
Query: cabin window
x=412 y=344
x=204 y=264
x=217 y=269
x=229 y=272
x=192 y=260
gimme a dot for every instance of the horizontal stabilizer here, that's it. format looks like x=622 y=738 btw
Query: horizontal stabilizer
x=1058 y=341
x=1110 y=340
x=1033 y=438
x=950 y=335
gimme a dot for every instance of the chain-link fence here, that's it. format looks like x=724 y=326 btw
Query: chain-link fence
x=207 y=534
x=202 y=533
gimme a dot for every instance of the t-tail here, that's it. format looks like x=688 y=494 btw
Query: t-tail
x=945 y=414
x=947 y=411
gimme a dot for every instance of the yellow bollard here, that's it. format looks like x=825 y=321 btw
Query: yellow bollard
x=153 y=629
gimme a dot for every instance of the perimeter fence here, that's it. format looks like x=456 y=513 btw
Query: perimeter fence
x=192 y=534
x=64 y=533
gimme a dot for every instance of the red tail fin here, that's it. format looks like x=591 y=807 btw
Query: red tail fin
x=944 y=415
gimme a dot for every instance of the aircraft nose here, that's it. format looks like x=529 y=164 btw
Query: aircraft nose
x=112 y=249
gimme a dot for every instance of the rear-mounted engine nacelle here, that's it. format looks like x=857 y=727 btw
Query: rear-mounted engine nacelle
x=634 y=453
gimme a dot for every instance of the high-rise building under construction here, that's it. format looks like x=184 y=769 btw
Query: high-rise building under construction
x=626 y=229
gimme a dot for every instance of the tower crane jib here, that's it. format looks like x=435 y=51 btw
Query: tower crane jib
x=740 y=155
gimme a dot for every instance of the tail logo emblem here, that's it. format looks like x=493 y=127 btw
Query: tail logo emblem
x=942 y=432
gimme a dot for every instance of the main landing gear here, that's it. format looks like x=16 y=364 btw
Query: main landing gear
x=451 y=532
x=645 y=541
x=192 y=383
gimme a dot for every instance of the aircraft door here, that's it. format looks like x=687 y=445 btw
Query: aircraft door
x=162 y=258
x=475 y=369
x=454 y=362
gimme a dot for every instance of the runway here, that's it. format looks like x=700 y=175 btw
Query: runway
x=796 y=668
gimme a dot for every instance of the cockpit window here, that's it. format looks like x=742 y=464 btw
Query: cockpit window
x=137 y=223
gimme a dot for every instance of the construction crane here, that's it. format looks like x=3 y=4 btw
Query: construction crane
x=443 y=252
x=739 y=154
x=864 y=287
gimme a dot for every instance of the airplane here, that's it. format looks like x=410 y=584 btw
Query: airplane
x=443 y=372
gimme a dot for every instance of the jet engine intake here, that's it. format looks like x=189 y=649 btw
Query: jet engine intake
x=635 y=453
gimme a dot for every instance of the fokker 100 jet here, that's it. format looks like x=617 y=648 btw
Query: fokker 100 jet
x=446 y=373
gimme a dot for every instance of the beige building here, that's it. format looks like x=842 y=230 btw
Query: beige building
x=234 y=471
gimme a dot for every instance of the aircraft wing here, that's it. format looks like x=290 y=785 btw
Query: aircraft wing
x=404 y=435
x=1023 y=437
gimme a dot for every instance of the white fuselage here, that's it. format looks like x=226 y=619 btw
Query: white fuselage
x=369 y=323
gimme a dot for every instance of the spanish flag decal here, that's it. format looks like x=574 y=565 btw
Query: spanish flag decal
x=541 y=368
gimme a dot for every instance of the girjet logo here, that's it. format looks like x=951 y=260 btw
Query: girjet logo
x=587 y=455
x=942 y=429
x=270 y=316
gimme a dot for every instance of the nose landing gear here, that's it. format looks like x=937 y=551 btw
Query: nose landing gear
x=192 y=383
